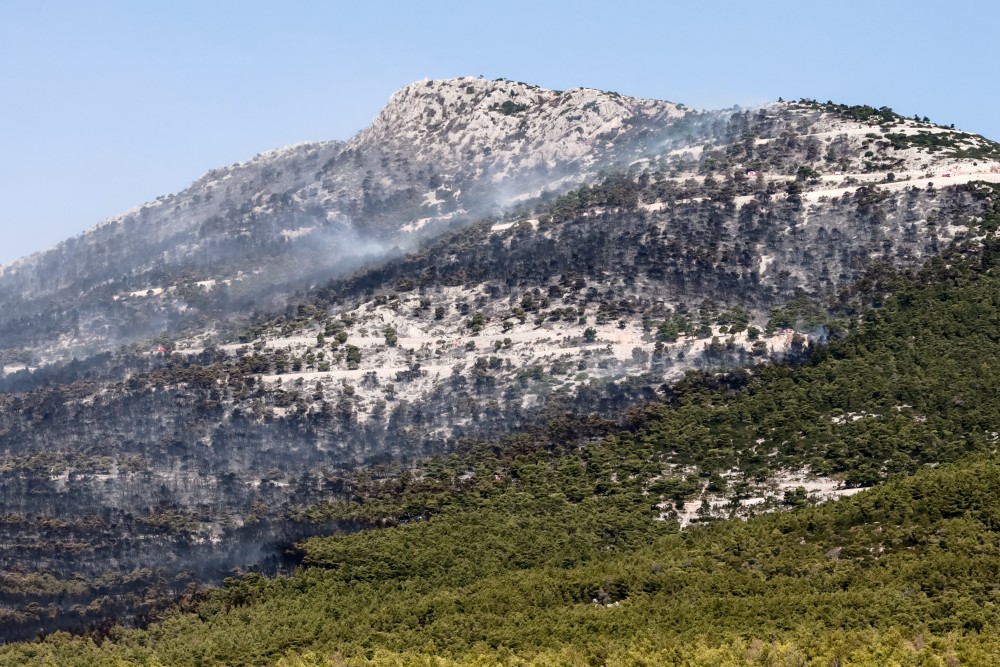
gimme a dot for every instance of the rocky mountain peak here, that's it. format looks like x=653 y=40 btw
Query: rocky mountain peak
x=501 y=127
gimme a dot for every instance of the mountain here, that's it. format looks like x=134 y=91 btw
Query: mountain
x=551 y=548
x=442 y=154
x=185 y=385
x=440 y=151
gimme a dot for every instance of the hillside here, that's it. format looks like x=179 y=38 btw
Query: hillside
x=252 y=232
x=490 y=270
x=879 y=403
x=445 y=154
x=551 y=548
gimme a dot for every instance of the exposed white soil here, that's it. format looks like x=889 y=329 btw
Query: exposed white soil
x=768 y=497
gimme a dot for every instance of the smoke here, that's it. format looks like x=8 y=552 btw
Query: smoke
x=820 y=334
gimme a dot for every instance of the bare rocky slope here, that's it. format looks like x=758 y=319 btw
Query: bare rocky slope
x=487 y=255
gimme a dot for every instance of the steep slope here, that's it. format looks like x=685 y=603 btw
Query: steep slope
x=243 y=234
x=696 y=241
x=190 y=465
x=442 y=153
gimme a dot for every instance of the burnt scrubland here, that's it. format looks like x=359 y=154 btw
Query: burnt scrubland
x=152 y=474
x=551 y=548
x=523 y=377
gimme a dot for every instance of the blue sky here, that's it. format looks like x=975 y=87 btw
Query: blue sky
x=106 y=105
